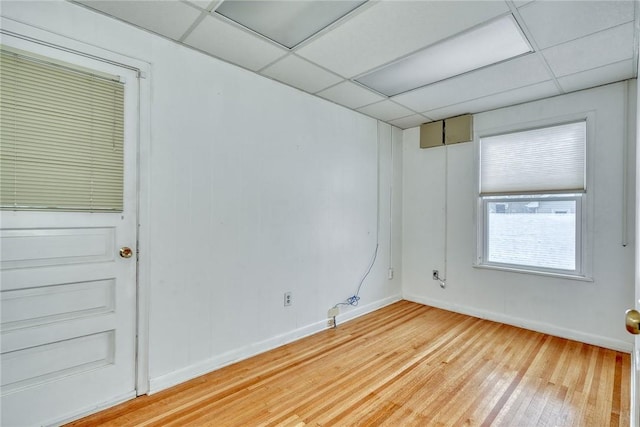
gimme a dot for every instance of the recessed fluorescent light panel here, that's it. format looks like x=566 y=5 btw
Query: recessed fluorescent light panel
x=487 y=44
x=286 y=22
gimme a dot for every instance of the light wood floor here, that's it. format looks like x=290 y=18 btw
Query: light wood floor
x=403 y=365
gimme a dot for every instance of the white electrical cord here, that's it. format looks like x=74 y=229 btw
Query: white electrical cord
x=391 y=206
x=355 y=298
x=625 y=166
x=443 y=282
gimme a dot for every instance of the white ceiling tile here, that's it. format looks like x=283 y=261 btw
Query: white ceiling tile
x=512 y=97
x=555 y=22
x=232 y=44
x=350 y=95
x=389 y=30
x=301 y=73
x=520 y=3
x=286 y=22
x=385 y=110
x=204 y=4
x=598 y=76
x=596 y=50
x=214 y=5
x=168 y=18
x=518 y=72
x=410 y=121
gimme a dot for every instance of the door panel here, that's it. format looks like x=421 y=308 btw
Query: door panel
x=67 y=298
x=39 y=247
x=58 y=302
x=37 y=364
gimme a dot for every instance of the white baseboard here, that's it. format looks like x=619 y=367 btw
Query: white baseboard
x=91 y=410
x=545 y=328
x=176 y=377
x=358 y=311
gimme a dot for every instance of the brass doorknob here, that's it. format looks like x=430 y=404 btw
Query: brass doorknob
x=126 y=252
x=632 y=321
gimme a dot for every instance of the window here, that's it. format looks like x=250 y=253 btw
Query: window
x=61 y=138
x=532 y=198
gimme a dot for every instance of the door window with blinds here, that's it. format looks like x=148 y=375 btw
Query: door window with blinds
x=532 y=197
x=61 y=137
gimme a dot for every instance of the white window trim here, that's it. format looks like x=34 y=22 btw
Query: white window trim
x=585 y=239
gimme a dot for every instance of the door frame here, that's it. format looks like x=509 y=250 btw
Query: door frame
x=634 y=403
x=10 y=29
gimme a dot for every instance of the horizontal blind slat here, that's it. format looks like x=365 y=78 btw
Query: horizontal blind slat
x=14 y=111
x=78 y=103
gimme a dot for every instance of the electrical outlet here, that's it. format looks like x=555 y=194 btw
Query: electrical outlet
x=288 y=299
x=331 y=323
x=390 y=274
x=436 y=275
x=333 y=312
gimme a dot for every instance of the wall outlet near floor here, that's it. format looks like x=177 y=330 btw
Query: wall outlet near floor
x=390 y=274
x=333 y=312
x=331 y=323
x=288 y=299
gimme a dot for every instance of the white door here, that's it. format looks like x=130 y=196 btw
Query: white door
x=68 y=299
x=635 y=357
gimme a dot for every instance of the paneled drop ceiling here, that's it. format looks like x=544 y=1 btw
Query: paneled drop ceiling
x=573 y=45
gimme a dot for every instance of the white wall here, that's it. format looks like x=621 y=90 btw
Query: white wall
x=255 y=189
x=588 y=311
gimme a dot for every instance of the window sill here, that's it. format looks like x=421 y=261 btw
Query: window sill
x=534 y=272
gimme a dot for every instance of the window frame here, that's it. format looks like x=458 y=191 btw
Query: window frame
x=584 y=204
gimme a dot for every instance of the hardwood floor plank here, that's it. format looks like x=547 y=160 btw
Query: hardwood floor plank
x=553 y=407
x=615 y=397
x=403 y=365
x=625 y=386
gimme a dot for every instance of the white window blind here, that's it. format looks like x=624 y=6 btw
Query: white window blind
x=543 y=160
x=61 y=137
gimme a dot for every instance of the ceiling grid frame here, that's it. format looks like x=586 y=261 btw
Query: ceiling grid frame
x=536 y=50
x=579 y=78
